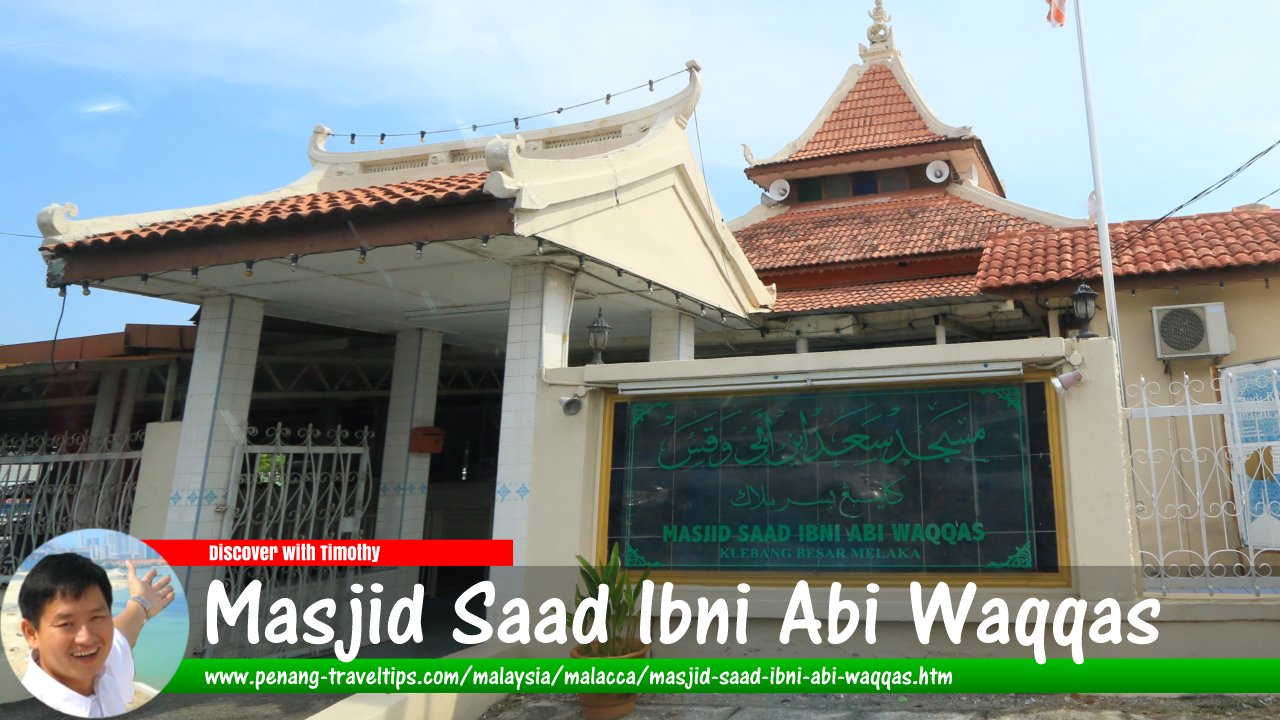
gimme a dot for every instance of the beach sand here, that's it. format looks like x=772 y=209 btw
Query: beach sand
x=15 y=647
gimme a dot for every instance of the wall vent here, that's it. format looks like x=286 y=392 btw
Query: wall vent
x=582 y=139
x=463 y=156
x=370 y=168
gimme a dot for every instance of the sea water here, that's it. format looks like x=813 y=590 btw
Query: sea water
x=162 y=643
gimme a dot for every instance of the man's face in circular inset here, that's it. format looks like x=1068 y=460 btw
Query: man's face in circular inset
x=73 y=638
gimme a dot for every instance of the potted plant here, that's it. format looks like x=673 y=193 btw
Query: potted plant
x=622 y=626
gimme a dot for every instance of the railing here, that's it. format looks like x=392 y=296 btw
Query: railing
x=52 y=484
x=1203 y=457
x=304 y=485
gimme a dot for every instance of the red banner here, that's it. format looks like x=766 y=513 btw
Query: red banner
x=390 y=553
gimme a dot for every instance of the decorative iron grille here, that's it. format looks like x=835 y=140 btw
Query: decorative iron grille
x=1202 y=465
x=52 y=484
x=307 y=484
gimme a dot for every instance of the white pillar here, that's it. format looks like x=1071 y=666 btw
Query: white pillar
x=537 y=337
x=215 y=414
x=214 y=421
x=802 y=344
x=415 y=379
x=670 y=335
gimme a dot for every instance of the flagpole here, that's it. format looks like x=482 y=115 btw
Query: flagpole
x=1100 y=207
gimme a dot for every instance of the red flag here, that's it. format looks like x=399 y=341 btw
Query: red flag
x=1057 y=12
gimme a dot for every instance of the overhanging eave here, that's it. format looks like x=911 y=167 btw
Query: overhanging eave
x=433 y=224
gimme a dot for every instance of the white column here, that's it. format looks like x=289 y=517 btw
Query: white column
x=537 y=337
x=670 y=335
x=215 y=414
x=415 y=379
x=214 y=420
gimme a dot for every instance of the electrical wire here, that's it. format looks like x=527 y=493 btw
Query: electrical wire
x=720 y=256
x=1129 y=241
x=53 y=345
x=474 y=127
x=1264 y=197
x=22 y=235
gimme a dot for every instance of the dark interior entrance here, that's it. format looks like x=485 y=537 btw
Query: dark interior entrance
x=463 y=477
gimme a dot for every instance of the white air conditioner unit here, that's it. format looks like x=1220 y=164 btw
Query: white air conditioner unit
x=1184 y=331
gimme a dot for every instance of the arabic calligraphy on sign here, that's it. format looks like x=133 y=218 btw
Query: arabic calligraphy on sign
x=846 y=504
x=783 y=437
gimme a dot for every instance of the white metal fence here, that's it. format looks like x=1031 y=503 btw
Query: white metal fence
x=298 y=485
x=52 y=484
x=1203 y=457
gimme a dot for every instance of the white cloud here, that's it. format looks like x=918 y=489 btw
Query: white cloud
x=105 y=106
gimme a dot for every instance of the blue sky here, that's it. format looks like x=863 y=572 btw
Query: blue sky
x=138 y=106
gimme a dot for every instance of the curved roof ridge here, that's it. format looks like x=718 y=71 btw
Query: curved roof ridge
x=1005 y=205
x=344 y=171
x=679 y=105
x=57 y=223
x=848 y=98
x=930 y=118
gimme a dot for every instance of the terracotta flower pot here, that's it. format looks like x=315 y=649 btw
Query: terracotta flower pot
x=608 y=706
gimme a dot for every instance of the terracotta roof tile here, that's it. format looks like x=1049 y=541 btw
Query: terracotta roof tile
x=413 y=193
x=875 y=114
x=881 y=293
x=898 y=227
x=1212 y=241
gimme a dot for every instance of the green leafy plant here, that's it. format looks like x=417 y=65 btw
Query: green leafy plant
x=272 y=468
x=622 y=625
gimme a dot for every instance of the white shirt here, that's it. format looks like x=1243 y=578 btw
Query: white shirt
x=112 y=688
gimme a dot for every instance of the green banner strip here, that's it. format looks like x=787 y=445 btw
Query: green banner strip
x=672 y=675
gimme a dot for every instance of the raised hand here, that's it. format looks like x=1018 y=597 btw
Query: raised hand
x=155 y=593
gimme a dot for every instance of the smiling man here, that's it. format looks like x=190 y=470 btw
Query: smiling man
x=82 y=658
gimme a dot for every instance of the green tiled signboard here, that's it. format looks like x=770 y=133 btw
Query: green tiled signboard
x=949 y=479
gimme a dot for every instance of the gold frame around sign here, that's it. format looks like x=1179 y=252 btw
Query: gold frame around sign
x=1059 y=579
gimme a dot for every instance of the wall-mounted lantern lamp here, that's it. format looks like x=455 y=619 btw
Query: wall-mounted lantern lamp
x=1084 y=303
x=598 y=336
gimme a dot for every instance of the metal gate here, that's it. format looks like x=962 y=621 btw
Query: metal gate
x=297 y=485
x=1203 y=458
x=52 y=484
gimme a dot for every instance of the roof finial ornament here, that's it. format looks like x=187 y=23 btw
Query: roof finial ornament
x=879 y=34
